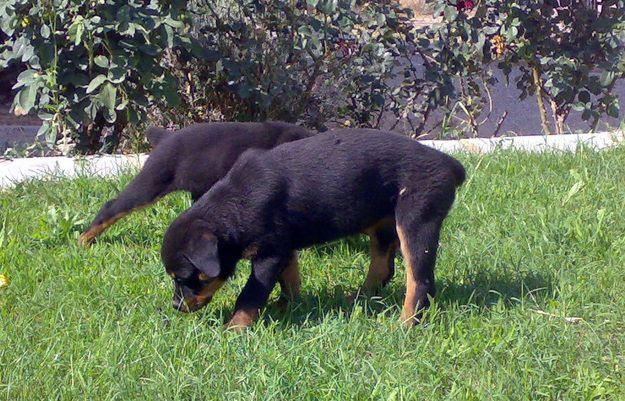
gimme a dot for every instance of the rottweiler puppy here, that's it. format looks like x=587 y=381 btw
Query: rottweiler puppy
x=274 y=202
x=192 y=160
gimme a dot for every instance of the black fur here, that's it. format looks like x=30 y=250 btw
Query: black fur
x=316 y=190
x=192 y=160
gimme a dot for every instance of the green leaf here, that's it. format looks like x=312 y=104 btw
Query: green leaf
x=169 y=36
x=117 y=75
x=327 y=6
x=25 y=100
x=101 y=61
x=607 y=78
x=45 y=31
x=312 y=3
x=29 y=51
x=450 y=13
x=107 y=96
x=43 y=130
x=174 y=23
x=44 y=116
x=80 y=29
x=96 y=82
x=26 y=77
x=613 y=109
x=305 y=30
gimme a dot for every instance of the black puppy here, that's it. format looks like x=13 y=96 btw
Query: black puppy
x=308 y=192
x=192 y=160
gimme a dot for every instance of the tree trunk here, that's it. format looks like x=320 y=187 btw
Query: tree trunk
x=539 y=99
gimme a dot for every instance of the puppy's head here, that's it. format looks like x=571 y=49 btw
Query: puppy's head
x=190 y=255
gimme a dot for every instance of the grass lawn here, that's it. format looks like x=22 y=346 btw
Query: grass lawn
x=528 y=234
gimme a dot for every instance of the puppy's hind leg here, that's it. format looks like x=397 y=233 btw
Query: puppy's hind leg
x=290 y=283
x=382 y=246
x=149 y=185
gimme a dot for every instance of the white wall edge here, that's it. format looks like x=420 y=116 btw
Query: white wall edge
x=18 y=170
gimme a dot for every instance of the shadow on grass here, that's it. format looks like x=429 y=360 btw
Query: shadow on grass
x=482 y=290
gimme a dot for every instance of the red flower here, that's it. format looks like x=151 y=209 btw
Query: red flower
x=463 y=5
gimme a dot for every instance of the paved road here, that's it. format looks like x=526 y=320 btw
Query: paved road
x=523 y=117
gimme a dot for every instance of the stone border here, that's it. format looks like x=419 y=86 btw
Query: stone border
x=19 y=170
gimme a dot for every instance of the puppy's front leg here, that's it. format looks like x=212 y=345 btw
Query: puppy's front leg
x=264 y=276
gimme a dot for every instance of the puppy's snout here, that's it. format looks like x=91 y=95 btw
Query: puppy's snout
x=178 y=302
x=179 y=305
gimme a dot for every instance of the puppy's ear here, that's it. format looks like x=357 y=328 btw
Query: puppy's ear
x=201 y=252
x=155 y=135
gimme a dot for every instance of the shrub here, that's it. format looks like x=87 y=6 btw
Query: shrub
x=570 y=53
x=90 y=64
x=94 y=68
x=316 y=62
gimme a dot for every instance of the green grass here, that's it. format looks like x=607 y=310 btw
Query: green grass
x=528 y=233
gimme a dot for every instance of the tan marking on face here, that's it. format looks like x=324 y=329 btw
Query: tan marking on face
x=205 y=295
x=203 y=277
x=290 y=281
x=209 y=290
x=242 y=319
x=410 y=300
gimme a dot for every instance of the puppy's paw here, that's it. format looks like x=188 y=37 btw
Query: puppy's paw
x=242 y=319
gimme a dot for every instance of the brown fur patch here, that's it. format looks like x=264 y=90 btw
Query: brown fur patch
x=250 y=252
x=380 y=224
x=381 y=259
x=203 y=277
x=242 y=319
x=209 y=290
x=88 y=236
x=380 y=266
x=205 y=295
x=410 y=300
x=290 y=280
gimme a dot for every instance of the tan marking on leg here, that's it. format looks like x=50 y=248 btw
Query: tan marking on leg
x=88 y=236
x=381 y=260
x=380 y=266
x=410 y=300
x=380 y=224
x=242 y=319
x=290 y=281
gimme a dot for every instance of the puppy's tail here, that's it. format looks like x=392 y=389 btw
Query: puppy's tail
x=458 y=171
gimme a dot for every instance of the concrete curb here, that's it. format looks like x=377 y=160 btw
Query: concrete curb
x=19 y=170
x=536 y=143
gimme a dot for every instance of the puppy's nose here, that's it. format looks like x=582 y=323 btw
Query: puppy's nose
x=179 y=305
